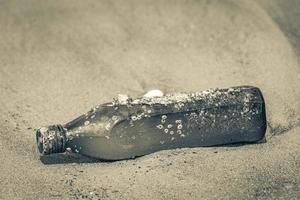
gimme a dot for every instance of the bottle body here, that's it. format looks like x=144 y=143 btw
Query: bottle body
x=121 y=130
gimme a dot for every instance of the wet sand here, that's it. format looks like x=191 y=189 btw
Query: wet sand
x=60 y=58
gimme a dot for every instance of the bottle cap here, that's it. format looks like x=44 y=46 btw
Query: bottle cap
x=51 y=139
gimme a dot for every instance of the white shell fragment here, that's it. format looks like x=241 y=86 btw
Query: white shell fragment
x=123 y=98
x=154 y=93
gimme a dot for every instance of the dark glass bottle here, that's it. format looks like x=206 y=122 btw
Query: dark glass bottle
x=126 y=128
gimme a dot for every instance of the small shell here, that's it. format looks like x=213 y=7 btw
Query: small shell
x=170 y=126
x=123 y=98
x=154 y=93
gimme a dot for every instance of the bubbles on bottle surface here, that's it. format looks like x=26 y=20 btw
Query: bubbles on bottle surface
x=178 y=121
x=68 y=149
x=51 y=135
x=115 y=118
x=133 y=118
x=107 y=127
x=160 y=126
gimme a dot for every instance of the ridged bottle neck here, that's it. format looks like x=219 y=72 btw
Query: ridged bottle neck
x=51 y=139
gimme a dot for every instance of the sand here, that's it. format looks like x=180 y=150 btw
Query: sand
x=60 y=58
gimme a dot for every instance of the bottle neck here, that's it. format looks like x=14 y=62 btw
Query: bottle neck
x=51 y=139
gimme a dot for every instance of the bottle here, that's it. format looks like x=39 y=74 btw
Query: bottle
x=126 y=128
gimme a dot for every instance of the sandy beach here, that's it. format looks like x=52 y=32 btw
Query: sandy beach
x=60 y=58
